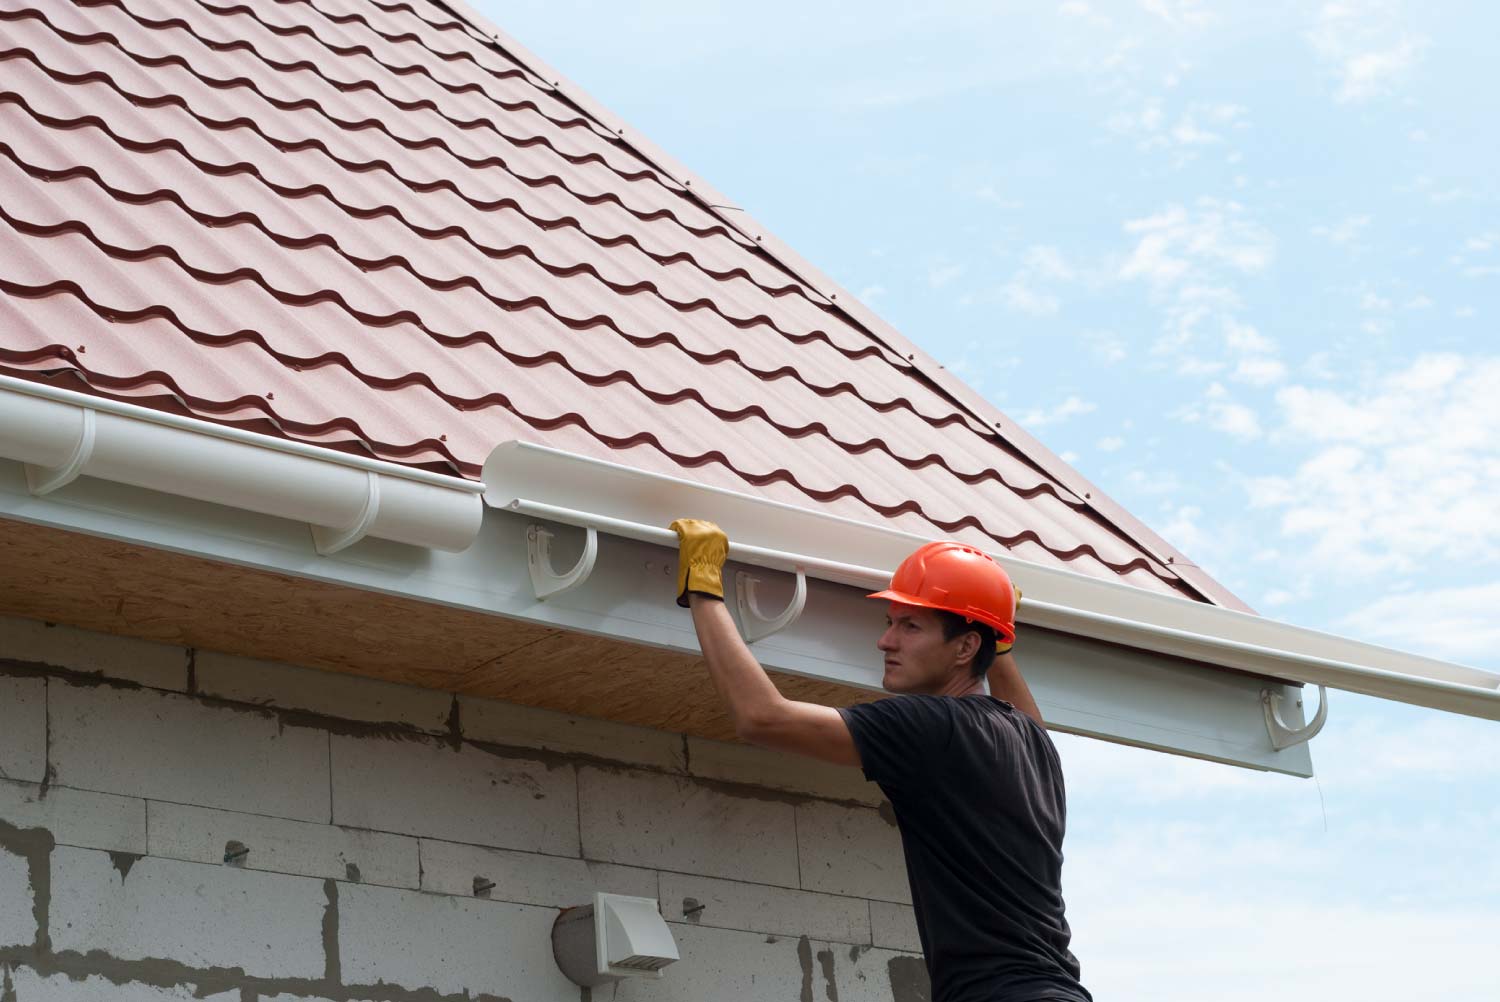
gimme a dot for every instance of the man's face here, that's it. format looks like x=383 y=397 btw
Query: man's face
x=917 y=657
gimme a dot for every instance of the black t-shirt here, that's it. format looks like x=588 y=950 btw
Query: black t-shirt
x=978 y=794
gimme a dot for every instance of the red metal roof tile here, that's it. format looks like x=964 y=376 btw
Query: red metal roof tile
x=365 y=225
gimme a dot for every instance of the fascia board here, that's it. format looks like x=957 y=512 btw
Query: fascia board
x=61 y=434
x=1083 y=686
x=623 y=501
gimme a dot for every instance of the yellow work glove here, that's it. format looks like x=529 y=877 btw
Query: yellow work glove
x=1001 y=647
x=701 y=550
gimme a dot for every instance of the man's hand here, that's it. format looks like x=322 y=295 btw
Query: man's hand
x=702 y=549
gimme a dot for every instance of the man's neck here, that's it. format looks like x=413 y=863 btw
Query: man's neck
x=959 y=685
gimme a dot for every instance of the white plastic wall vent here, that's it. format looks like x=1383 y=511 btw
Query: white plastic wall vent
x=613 y=937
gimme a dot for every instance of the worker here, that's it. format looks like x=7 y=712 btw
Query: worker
x=973 y=778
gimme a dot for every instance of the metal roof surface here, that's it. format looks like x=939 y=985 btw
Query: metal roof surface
x=371 y=226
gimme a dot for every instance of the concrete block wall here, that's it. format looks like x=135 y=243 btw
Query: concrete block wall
x=181 y=824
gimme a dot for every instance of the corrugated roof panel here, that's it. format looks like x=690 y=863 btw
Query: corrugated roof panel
x=365 y=226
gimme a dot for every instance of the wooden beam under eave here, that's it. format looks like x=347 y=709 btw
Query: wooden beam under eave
x=137 y=591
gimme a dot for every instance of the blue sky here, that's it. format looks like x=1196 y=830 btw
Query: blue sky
x=1239 y=264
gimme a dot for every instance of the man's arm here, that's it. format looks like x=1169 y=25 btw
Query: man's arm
x=1006 y=683
x=761 y=714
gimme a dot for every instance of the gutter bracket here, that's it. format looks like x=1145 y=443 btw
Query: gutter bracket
x=544 y=580
x=330 y=541
x=1283 y=736
x=42 y=480
x=756 y=625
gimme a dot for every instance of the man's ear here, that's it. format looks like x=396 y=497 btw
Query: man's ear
x=968 y=646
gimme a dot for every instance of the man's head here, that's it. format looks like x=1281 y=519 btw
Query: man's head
x=948 y=604
x=933 y=651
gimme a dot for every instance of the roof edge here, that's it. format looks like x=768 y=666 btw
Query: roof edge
x=838 y=297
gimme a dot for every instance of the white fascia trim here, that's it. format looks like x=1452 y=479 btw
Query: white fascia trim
x=618 y=500
x=63 y=434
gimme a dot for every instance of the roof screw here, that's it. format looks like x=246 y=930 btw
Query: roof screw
x=1087 y=495
x=270 y=396
x=442 y=438
x=483 y=886
x=82 y=349
x=235 y=852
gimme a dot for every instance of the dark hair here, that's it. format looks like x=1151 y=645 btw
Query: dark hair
x=955 y=626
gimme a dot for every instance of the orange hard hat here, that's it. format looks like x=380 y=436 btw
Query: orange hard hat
x=956 y=578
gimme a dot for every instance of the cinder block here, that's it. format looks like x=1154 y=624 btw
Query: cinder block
x=732 y=904
x=17 y=921
x=851 y=850
x=132 y=908
x=423 y=787
x=448 y=944
x=738 y=763
x=200 y=834
x=526 y=877
x=160 y=666
x=77 y=817
x=672 y=823
x=724 y=964
x=164 y=746
x=510 y=724
x=32 y=987
x=270 y=683
x=23 y=728
x=894 y=926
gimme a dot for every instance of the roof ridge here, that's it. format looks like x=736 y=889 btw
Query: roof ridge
x=1031 y=449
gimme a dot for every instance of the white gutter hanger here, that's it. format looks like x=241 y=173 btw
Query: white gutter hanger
x=616 y=500
x=60 y=435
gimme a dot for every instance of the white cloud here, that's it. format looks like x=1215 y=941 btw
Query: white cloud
x=1081 y=11
x=1028 y=290
x=1025 y=299
x=1402 y=471
x=1070 y=407
x=1220 y=411
x=1106 y=346
x=1178 y=12
x=1199 y=125
x=1257 y=362
x=1365 y=45
x=1177 y=243
x=1260 y=371
x=1459 y=623
x=988 y=193
x=943 y=273
x=1110 y=443
x=1345 y=231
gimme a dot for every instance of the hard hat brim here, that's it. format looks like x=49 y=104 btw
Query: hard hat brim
x=1008 y=634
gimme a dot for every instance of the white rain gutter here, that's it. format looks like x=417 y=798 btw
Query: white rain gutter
x=617 y=500
x=62 y=434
